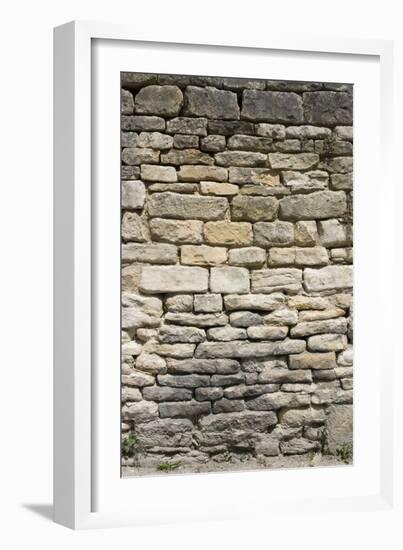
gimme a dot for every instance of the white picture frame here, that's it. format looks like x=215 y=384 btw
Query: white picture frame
x=78 y=389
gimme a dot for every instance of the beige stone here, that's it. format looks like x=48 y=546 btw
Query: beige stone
x=312 y=361
x=228 y=233
x=218 y=188
x=176 y=231
x=203 y=255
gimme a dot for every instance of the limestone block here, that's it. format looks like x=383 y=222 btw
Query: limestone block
x=156 y=279
x=159 y=100
x=228 y=280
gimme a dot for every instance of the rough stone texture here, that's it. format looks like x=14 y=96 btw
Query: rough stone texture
x=236 y=304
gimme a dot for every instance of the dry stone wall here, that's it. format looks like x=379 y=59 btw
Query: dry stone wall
x=236 y=268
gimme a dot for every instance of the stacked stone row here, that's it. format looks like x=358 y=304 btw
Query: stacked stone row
x=237 y=266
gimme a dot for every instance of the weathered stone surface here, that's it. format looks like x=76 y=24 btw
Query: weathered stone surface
x=126 y=102
x=151 y=306
x=265 y=332
x=345 y=358
x=276 y=280
x=203 y=366
x=256 y=176
x=240 y=158
x=174 y=205
x=308 y=328
x=247 y=420
x=279 y=107
x=308 y=360
x=227 y=333
x=202 y=173
x=305 y=233
x=245 y=350
x=245 y=319
x=211 y=103
x=157 y=393
x=318 y=205
x=138 y=379
x=344 y=132
x=332 y=277
x=208 y=303
x=278 y=400
x=258 y=302
x=298 y=446
x=230 y=127
x=199 y=320
x=184 y=381
x=241 y=391
x=306 y=131
x=277 y=233
x=339 y=426
x=332 y=233
x=159 y=100
x=156 y=279
x=274 y=131
x=291 y=146
x=131 y=394
x=187 y=409
x=131 y=275
x=317 y=315
x=133 y=228
x=299 y=161
x=302 y=417
x=277 y=372
x=208 y=394
x=158 y=173
x=307 y=302
x=150 y=253
x=129 y=172
x=128 y=139
x=342 y=182
x=219 y=189
x=213 y=144
x=298 y=256
x=327 y=342
x=250 y=143
x=283 y=316
x=314 y=180
x=251 y=257
x=186 y=156
x=239 y=84
x=171 y=334
x=203 y=255
x=144 y=411
x=229 y=279
x=151 y=363
x=184 y=125
x=177 y=351
x=143 y=123
x=139 y=155
x=228 y=406
x=132 y=318
x=328 y=108
x=134 y=81
x=181 y=141
x=341 y=165
x=165 y=433
x=176 y=231
x=253 y=209
x=154 y=140
x=228 y=233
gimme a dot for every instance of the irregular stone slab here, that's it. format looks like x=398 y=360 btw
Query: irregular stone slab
x=151 y=363
x=278 y=400
x=245 y=350
x=290 y=146
x=318 y=205
x=256 y=176
x=276 y=280
x=171 y=334
x=159 y=280
x=228 y=233
x=277 y=233
x=294 y=85
x=240 y=391
x=159 y=100
x=208 y=303
x=312 y=361
x=346 y=358
x=239 y=84
x=187 y=188
x=305 y=233
x=302 y=417
x=174 y=205
x=342 y=182
x=328 y=108
x=202 y=173
x=211 y=103
x=274 y=131
x=230 y=127
x=219 y=189
x=254 y=209
x=179 y=303
x=167 y=394
x=341 y=165
x=186 y=156
x=228 y=406
x=178 y=351
x=279 y=107
x=251 y=257
x=327 y=342
x=131 y=394
x=298 y=256
x=129 y=172
x=133 y=318
x=187 y=409
x=344 y=132
x=258 y=302
x=315 y=180
x=247 y=420
x=203 y=366
x=308 y=328
x=208 y=394
x=133 y=228
x=151 y=306
x=307 y=302
x=332 y=233
x=229 y=279
x=165 y=433
x=213 y=144
x=203 y=255
x=318 y=315
x=240 y=158
x=138 y=379
x=184 y=381
x=138 y=155
x=144 y=411
x=245 y=319
x=306 y=131
x=131 y=277
x=339 y=426
x=250 y=143
x=226 y=334
x=332 y=277
x=200 y=320
x=153 y=253
x=184 y=125
x=181 y=141
x=133 y=194
x=282 y=316
x=134 y=81
x=126 y=102
x=145 y=334
x=267 y=333
x=154 y=140
x=158 y=173
x=298 y=161
x=142 y=123
x=176 y=231
x=273 y=372
x=298 y=446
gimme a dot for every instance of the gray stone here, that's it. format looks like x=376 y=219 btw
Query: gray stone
x=134 y=81
x=176 y=231
x=257 y=176
x=228 y=406
x=165 y=433
x=184 y=125
x=332 y=277
x=187 y=409
x=218 y=188
x=298 y=446
x=327 y=342
x=130 y=279
x=143 y=123
x=181 y=141
x=208 y=394
x=152 y=306
x=273 y=372
x=241 y=391
x=229 y=279
x=173 y=205
x=339 y=426
x=129 y=172
x=155 y=279
x=158 y=173
x=267 y=333
x=230 y=127
x=226 y=334
x=274 y=131
x=250 y=143
x=151 y=363
x=251 y=257
x=346 y=358
x=276 y=233
x=294 y=85
x=202 y=173
x=258 y=302
x=318 y=205
x=344 y=132
x=290 y=146
x=167 y=394
x=171 y=334
x=342 y=182
x=245 y=319
x=308 y=328
x=274 y=280
x=186 y=156
x=299 y=161
x=138 y=379
x=279 y=107
x=133 y=318
x=267 y=445
x=246 y=420
x=139 y=155
x=245 y=350
x=213 y=144
x=203 y=366
x=314 y=180
x=312 y=361
x=328 y=108
x=308 y=132
x=278 y=400
x=199 y=320
x=240 y=158
x=130 y=395
x=126 y=102
x=179 y=303
x=317 y=315
x=152 y=253
x=341 y=165
x=208 y=303
x=332 y=233
x=305 y=233
x=154 y=140
x=253 y=209
x=177 y=351
x=143 y=411
x=239 y=84
x=203 y=255
x=145 y=334
x=302 y=417
x=184 y=380
x=211 y=103
x=282 y=317
x=159 y=100
x=133 y=228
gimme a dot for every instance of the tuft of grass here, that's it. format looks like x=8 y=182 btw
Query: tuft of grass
x=345 y=453
x=169 y=466
x=324 y=442
x=129 y=445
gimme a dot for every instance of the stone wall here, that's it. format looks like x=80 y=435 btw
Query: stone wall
x=237 y=269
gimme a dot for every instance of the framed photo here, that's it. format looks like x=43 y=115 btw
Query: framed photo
x=215 y=279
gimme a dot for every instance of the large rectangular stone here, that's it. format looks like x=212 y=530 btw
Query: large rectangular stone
x=185 y=125
x=240 y=158
x=228 y=233
x=258 y=302
x=186 y=156
x=245 y=350
x=211 y=103
x=158 y=173
x=328 y=108
x=182 y=207
x=265 y=106
x=332 y=277
x=253 y=209
x=278 y=233
x=318 y=205
x=176 y=231
x=229 y=280
x=203 y=255
x=230 y=127
x=153 y=253
x=159 y=280
x=288 y=161
x=273 y=280
x=202 y=173
x=256 y=176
